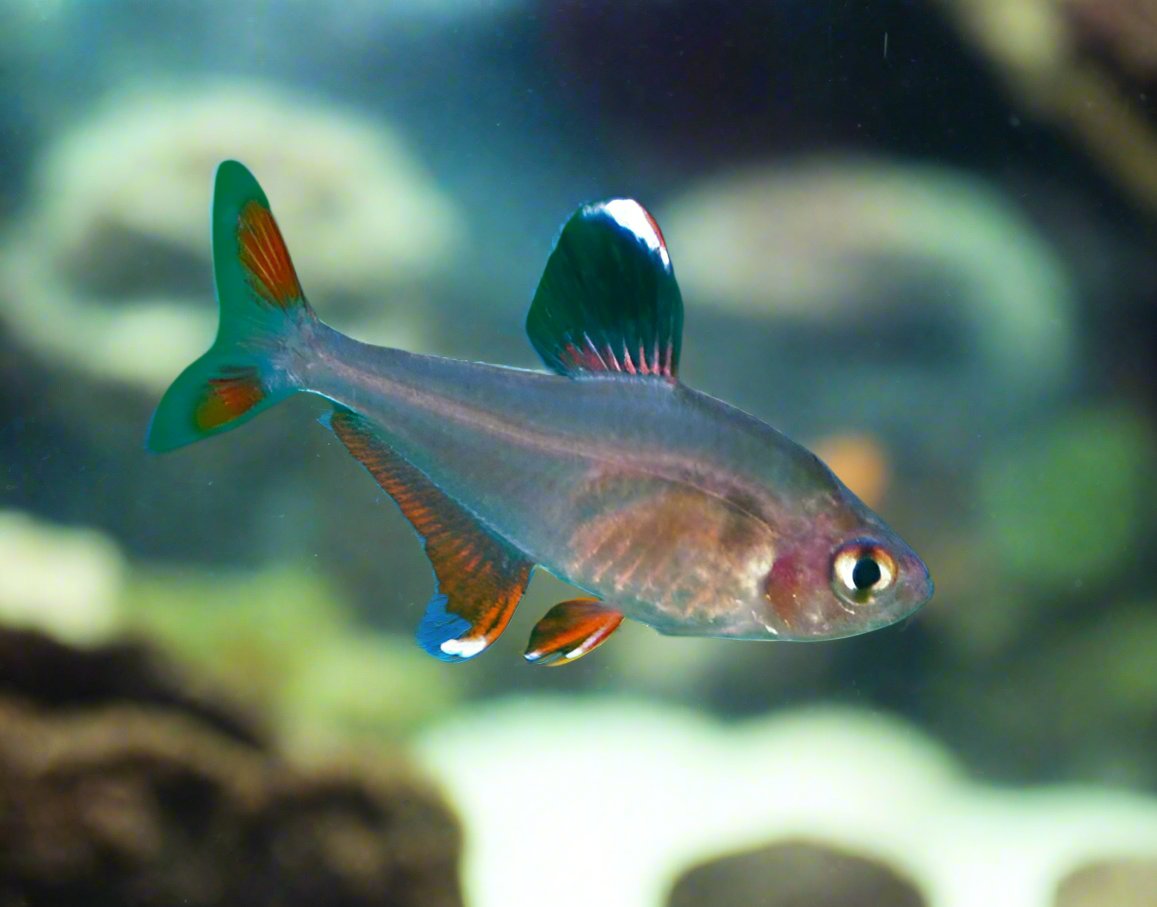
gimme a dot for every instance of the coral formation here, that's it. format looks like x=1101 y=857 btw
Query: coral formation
x=846 y=242
x=117 y=801
x=109 y=269
x=642 y=792
x=1080 y=64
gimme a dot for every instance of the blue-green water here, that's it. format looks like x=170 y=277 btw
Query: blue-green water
x=916 y=236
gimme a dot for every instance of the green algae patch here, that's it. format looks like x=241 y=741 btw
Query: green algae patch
x=1065 y=504
x=249 y=629
x=287 y=640
x=372 y=686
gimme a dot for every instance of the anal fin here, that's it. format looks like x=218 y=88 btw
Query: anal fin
x=570 y=630
x=480 y=578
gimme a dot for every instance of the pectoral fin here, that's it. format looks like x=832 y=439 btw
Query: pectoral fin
x=480 y=578
x=570 y=630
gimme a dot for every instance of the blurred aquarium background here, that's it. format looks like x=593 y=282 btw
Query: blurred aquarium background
x=916 y=235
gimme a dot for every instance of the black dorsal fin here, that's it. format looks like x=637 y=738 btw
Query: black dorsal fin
x=608 y=300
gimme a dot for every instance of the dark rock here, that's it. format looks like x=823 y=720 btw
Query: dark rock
x=111 y=800
x=1121 y=883
x=794 y=874
x=54 y=676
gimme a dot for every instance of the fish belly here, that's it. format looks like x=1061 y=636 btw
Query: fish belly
x=676 y=556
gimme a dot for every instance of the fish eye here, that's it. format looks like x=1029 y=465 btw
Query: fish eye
x=861 y=569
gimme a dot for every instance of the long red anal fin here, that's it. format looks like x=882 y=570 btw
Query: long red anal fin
x=480 y=578
x=265 y=258
x=570 y=630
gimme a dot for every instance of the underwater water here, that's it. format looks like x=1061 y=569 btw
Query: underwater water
x=918 y=237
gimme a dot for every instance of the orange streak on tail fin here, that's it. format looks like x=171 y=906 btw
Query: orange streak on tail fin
x=228 y=397
x=265 y=257
x=262 y=315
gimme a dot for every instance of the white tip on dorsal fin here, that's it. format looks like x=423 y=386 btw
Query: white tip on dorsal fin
x=608 y=301
x=634 y=217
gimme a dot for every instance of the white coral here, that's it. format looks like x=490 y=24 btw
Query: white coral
x=606 y=803
x=98 y=274
x=65 y=581
x=852 y=238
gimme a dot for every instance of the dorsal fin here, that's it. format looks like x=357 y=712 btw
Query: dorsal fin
x=480 y=578
x=608 y=300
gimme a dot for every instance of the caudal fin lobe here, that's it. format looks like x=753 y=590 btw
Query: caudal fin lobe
x=261 y=307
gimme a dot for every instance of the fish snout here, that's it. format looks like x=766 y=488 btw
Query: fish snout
x=923 y=586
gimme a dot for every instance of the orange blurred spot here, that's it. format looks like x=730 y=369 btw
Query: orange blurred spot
x=860 y=461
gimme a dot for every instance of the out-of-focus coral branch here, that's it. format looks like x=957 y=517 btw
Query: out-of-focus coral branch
x=1087 y=65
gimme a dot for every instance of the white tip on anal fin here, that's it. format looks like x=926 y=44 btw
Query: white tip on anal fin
x=463 y=648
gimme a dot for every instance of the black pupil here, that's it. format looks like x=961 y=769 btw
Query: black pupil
x=866 y=573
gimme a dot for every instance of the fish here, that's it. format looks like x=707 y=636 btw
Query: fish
x=661 y=504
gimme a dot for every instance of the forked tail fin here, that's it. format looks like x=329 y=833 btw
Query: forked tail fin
x=262 y=307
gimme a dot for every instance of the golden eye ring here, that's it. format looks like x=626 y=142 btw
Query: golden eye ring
x=862 y=569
